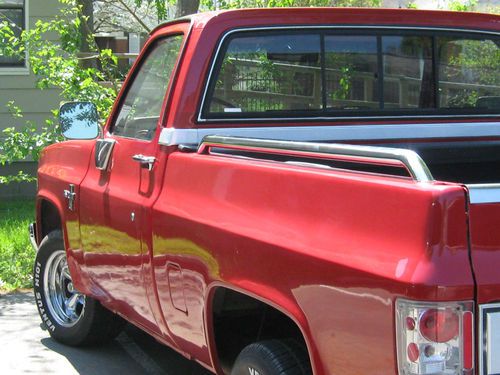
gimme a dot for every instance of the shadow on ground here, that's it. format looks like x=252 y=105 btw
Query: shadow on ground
x=11 y=299
x=140 y=352
x=27 y=349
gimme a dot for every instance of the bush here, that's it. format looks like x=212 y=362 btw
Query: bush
x=56 y=63
x=16 y=253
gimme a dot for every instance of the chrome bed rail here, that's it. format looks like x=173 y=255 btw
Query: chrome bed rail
x=384 y=156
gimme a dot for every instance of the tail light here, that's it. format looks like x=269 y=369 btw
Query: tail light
x=434 y=338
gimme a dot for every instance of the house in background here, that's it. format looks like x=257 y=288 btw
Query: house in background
x=19 y=85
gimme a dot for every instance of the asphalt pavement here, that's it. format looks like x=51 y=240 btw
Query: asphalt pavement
x=27 y=349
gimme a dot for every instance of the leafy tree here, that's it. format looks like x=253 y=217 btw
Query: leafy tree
x=462 y=5
x=231 y=4
x=56 y=64
x=127 y=15
x=185 y=7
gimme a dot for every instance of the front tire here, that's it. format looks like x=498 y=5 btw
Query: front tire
x=273 y=357
x=70 y=317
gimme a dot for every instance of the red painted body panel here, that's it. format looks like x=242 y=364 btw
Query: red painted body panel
x=111 y=241
x=305 y=241
x=115 y=228
x=324 y=247
x=60 y=165
x=485 y=246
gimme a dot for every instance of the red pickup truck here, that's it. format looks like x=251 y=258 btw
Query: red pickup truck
x=287 y=191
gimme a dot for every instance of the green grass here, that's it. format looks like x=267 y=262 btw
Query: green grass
x=16 y=253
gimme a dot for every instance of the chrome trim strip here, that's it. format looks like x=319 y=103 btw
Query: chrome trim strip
x=361 y=154
x=175 y=137
x=320 y=27
x=349 y=118
x=484 y=340
x=484 y=193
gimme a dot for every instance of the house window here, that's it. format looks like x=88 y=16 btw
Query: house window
x=12 y=13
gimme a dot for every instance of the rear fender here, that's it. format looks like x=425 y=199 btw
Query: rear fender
x=269 y=296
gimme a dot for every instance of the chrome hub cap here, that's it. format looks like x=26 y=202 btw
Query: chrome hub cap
x=65 y=303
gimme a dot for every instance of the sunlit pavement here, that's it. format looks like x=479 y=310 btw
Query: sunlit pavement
x=26 y=349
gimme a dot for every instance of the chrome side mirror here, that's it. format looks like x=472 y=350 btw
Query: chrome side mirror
x=79 y=120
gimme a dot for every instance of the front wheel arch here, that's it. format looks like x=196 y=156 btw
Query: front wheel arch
x=87 y=324
x=49 y=218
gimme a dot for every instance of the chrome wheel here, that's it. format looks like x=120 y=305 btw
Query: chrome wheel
x=65 y=303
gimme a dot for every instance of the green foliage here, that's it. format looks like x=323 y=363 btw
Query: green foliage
x=16 y=253
x=26 y=142
x=59 y=64
x=475 y=62
x=344 y=84
x=232 y=4
x=462 y=5
x=160 y=5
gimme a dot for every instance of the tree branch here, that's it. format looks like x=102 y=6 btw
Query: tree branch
x=133 y=14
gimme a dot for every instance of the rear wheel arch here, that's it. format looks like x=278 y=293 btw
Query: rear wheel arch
x=224 y=350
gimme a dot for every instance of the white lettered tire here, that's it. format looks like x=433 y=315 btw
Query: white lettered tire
x=273 y=357
x=70 y=317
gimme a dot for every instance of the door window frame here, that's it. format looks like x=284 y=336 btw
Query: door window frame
x=181 y=28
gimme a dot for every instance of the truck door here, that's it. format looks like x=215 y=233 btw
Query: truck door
x=125 y=180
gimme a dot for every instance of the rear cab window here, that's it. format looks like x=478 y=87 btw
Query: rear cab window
x=311 y=73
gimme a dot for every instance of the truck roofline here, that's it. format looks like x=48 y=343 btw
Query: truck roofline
x=170 y=23
x=415 y=17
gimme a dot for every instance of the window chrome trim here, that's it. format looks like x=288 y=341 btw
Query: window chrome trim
x=323 y=27
x=484 y=193
x=370 y=132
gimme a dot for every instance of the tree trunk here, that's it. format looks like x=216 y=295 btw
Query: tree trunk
x=87 y=27
x=185 y=7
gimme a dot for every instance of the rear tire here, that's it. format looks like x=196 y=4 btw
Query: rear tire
x=273 y=357
x=70 y=317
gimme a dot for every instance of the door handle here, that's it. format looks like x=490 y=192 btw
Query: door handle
x=146 y=161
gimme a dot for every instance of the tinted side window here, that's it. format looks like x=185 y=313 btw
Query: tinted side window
x=408 y=72
x=351 y=72
x=140 y=110
x=269 y=73
x=469 y=73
